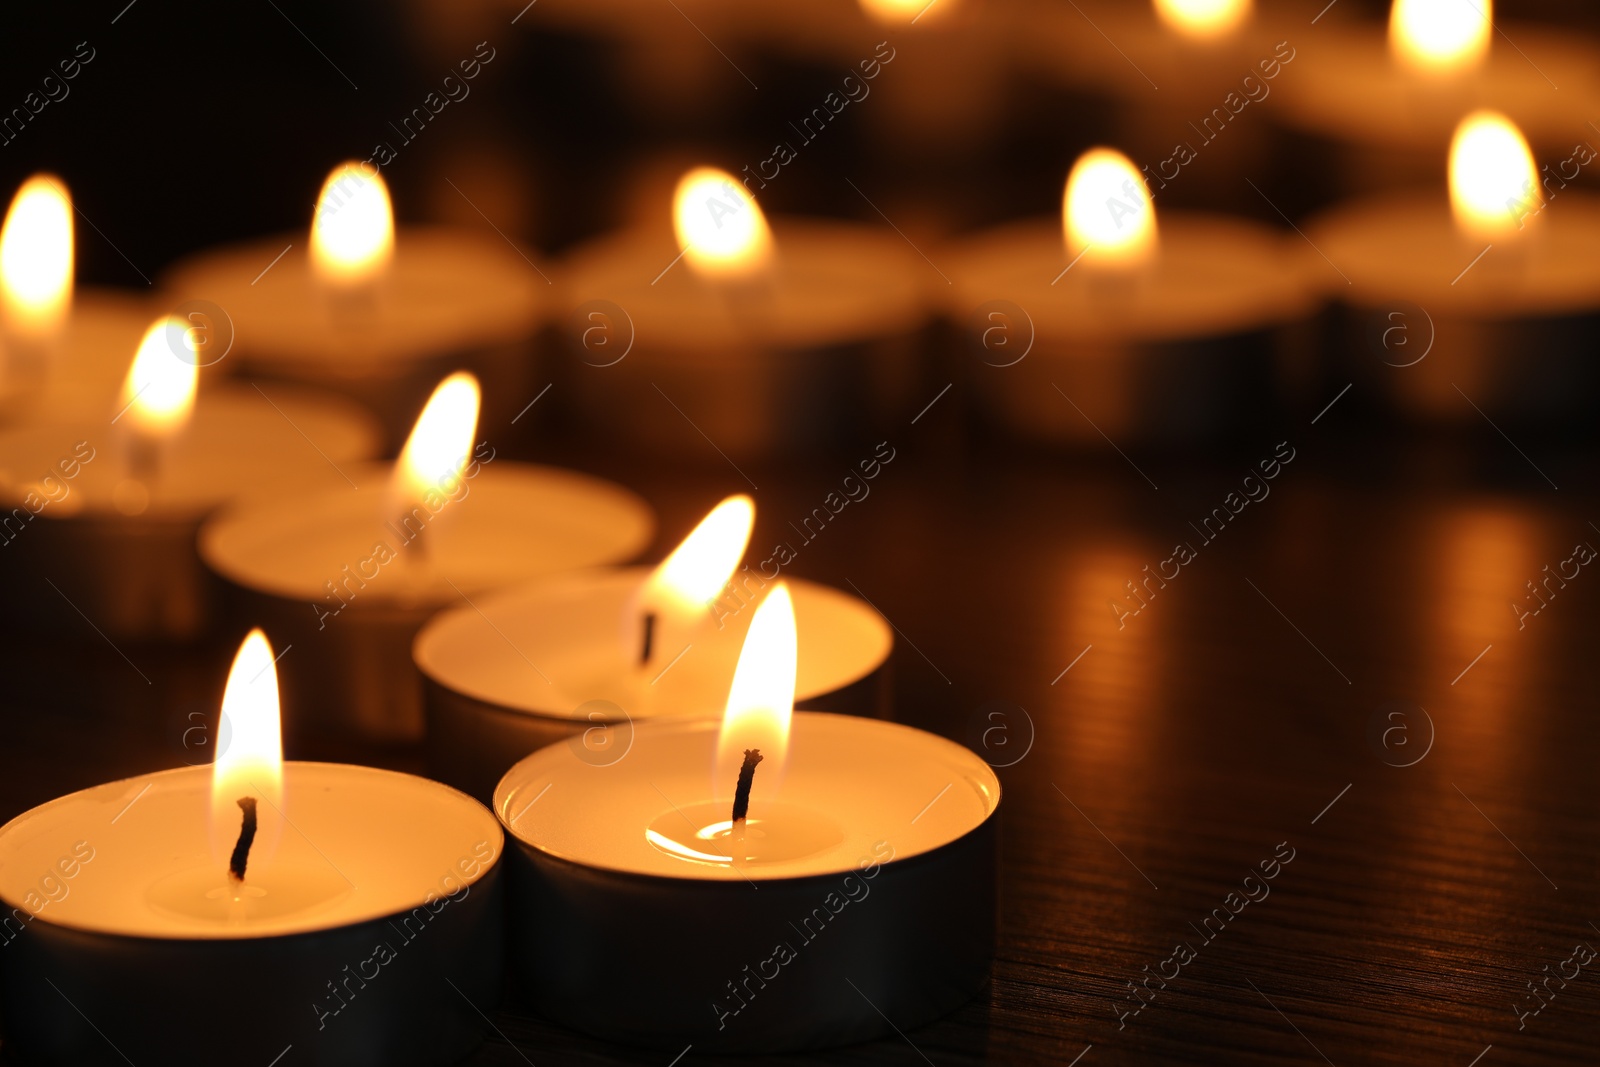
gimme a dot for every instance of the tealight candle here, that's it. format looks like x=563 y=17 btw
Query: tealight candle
x=375 y=315
x=349 y=574
x=1388 y=101
x=688 y=893
x=1487 y=297
x=62 y=354
x=762 y=336
x=314 y=906
x=587 y=655
x=1169 y=331
x=119 y=494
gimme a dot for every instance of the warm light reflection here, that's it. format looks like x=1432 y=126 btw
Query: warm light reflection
x=36 y=257
x=158 y=393
x=1108 y=211
x=1203 y=18
x=249 y=759
x=1492 y=177
x=1440 y=36
x=761 y=700
x=699 y=568
x=352 y=233
x=719 y=224
x=899 y=12
x=440 y=442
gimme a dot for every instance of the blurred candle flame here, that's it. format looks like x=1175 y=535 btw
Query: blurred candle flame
x=158 y=393
x=719 y=225
x=352 y=232
x=1440 y=36
x=761 y=699
x=441 y=440
x=36 y=257
x=1107 y=210
x=1203 y=19
x=900 y=12
x=1493 y=188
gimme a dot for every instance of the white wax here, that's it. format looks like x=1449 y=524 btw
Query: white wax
x=571 y=628
x=515 y=522
x=830 y=283
x=238 y=441
x=1347 y=85
x=850 y=784
x=1210 y=276
x=1407 y=247
x=447 y=290
x=83 y=372
x=355 y=843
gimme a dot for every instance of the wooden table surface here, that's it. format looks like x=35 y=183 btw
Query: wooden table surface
x=1339 y=676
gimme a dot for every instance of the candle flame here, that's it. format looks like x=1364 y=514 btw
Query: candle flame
x=719 y=224
x=441 y=440
x=352 y=233
x=1492 y=177
x=36 y=257
x=699 y=568
x=158 y=394
x=250 y=764
x=1203 y=19
x=761 y=700
x=895 y=12
x=1108 y=211
x=1440 y=36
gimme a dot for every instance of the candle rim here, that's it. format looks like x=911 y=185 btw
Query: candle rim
x=202 y=774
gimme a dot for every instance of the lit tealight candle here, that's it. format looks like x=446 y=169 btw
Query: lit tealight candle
x=59 y=354
x=124 y=489
x=1153 y=330
x=227 y=889
x=529 y=666
x=1441 y=36
x=756 y=334
x=372 y=312
x=1489 y=292
x=684 y=894
x=351 y=572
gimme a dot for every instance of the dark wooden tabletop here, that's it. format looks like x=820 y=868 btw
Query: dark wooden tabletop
x=1339 y=677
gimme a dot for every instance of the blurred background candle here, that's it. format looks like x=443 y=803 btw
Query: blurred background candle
x=1493 y=289
x=764 y=338
x=1140 y=324
x=170 y=901
x=585 y=656
x=101 y=510
x=348 y=574
x=61 y=353
x=375 y=314
x=634 y=877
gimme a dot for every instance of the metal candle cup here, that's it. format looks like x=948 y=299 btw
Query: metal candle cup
x=629 y=920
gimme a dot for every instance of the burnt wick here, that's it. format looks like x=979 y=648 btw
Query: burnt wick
x=247 y=836
x=648 y=639
x=741 y=792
